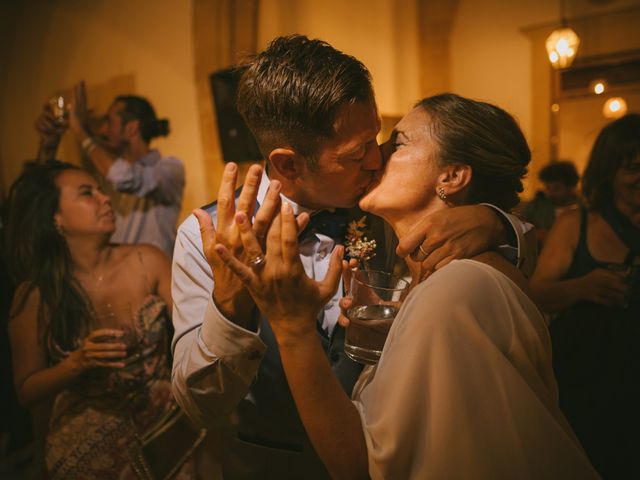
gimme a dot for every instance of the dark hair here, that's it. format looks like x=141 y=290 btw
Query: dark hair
x=139 y=108
x=617 y=145
x=290 y=94
x=484 y=137
x=39 y=256
x=562 y=171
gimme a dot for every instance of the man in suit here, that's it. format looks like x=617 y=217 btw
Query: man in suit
x=314 y=116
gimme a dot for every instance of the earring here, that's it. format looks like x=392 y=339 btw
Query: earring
x=59 y=228
x=441 y=194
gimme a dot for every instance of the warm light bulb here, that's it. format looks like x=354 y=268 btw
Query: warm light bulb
x=562 y=47
x=614 y=107
x=598 y=86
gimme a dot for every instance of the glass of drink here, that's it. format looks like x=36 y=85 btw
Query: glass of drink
x=376 y=298
x=59 y=108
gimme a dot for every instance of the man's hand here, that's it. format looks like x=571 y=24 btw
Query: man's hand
x=229 y=294
x=50 y=130
x=454 y=233
x=280 y=287
x=49 y=127
x=79 y=113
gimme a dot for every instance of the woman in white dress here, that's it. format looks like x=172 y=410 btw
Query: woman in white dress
x=464 y=387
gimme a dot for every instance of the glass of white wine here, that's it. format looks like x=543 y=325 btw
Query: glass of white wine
x=59 y=108
x=376 y=297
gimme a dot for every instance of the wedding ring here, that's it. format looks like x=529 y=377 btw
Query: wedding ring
x=423 y=252
x=257 y=261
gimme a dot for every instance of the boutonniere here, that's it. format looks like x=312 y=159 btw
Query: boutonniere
x=359 y=247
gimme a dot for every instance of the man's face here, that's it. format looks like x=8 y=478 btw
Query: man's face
x=626 y=185
x=559 y=193
x=112 y=129
x=346 y=164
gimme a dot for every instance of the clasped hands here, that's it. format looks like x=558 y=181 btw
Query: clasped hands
x=279 y=287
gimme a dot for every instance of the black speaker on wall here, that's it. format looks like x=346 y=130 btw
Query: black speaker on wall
x=237 y=141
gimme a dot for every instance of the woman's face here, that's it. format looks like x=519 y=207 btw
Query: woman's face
x=83 y=207
x=407 y=183
x=626 y=184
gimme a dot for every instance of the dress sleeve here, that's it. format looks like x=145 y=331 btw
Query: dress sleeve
x=463 y=391
x=214 y=360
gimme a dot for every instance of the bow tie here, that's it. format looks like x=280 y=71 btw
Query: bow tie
x=332 y=224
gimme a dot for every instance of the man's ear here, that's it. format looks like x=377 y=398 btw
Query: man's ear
x=453 y=179
x=286 y=162
x=131 y=128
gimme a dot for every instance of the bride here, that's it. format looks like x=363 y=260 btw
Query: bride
x=464 y=387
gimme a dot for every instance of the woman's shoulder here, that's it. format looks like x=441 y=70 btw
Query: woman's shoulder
x=456 y=284
x=469 y=296
x=474 y=285
x=570 y=218
x=142 y=253
x=26 y=298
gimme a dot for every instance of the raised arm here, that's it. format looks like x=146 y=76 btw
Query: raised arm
x=465 y=231
x=50 y=130
x=217 y=350
x=552 y=291
x=100 y=157
x=290 y=300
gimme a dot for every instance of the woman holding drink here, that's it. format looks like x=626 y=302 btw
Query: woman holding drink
x=589 y=274
x=464 y=386
x=88 y=324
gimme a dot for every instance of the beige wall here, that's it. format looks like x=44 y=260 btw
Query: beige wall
x=380 y=33
x=117 y=46
x=497 y=54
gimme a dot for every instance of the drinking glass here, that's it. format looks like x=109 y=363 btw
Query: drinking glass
x=376 y=298
x=59 y=108
x=631 y=275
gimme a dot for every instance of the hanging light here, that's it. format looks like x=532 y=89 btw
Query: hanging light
x=614 y=107
x=562 y=45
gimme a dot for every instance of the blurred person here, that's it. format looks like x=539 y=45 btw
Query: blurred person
x=16 y=446
x=588 y=275
x=464 y=387
x=313 y=112
x=146 y=188
x=89 y=324
x=560 y=180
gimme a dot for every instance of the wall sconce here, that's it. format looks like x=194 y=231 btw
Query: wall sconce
x=614 y=107
x=562 y=45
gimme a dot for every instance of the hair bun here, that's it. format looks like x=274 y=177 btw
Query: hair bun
x=162 y=127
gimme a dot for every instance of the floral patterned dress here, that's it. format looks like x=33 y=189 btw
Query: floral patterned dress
x=94 y=421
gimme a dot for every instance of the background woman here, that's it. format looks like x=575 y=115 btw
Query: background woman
x=88 y=325
x=588 y=272
x=464 y=387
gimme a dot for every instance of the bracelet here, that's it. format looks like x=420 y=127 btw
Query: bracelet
x=88 y=145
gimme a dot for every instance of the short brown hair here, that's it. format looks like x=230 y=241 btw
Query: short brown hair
x=486 y=138
x=617 y=145
x=290 y=94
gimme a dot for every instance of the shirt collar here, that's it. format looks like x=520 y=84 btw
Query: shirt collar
x=151 y=157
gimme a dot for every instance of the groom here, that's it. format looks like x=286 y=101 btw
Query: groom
x=313 y=113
